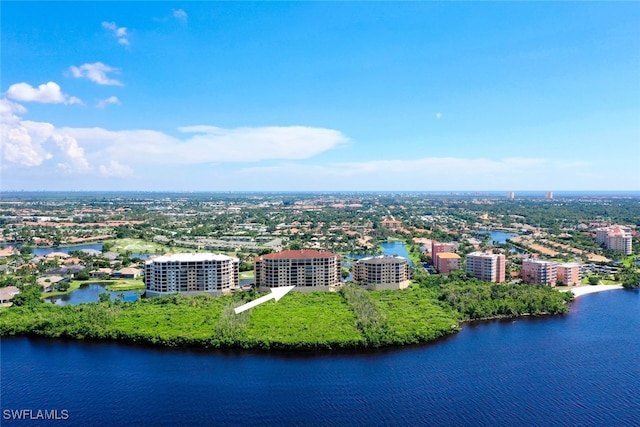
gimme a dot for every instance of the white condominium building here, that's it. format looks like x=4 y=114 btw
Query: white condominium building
x=191 y=273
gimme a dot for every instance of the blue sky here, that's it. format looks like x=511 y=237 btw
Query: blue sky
x=432 y=96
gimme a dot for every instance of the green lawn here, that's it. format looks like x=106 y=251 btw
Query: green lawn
x=126 y=285
x=145 y=246
x=72 y=287
x=245 y=275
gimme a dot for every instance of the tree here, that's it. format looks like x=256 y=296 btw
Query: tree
x=104 y=297
x=25 y=250
x=631 y=281
x=82 y=275
x=594 y=280
x=29 y=296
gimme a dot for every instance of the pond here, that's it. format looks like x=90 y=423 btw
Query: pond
x=90 y=292
x=65 y=249
x=501 y=236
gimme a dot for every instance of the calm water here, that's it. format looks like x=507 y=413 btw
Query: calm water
x=389 y=248
x=65 y=249
x=90 y=293
x=501 y=236
x=578 y=370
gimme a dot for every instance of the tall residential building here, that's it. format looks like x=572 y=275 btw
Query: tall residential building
x=487 y=267
x=616 y=238
x=548 y=195
x=382 y=272
x=568 y=274
x=193 y=273
x=306 y=269
x=539 y=271
x=436 y=248
x=446 y=262
x=511 y=195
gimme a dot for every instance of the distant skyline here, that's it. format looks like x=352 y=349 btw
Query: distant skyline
x=320 y=96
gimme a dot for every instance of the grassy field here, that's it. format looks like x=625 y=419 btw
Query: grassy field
x=145 y=246
x=246 y=275
x=126 y=285
x=72 y=287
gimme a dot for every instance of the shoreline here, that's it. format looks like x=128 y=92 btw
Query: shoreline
x=579 y=291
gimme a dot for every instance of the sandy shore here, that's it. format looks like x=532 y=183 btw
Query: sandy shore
x=578 y=291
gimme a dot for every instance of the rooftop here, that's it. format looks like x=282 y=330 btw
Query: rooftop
x=298 y=254
x=448 y=255
x=187 y=257
x=383 y=259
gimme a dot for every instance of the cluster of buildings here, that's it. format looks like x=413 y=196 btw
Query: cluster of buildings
x=539 y=271
x=615 y=238
x=444 y=258
x=307 y=269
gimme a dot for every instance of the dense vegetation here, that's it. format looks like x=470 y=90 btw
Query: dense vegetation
x=352 y=318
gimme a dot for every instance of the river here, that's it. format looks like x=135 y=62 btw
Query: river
x=577 y=369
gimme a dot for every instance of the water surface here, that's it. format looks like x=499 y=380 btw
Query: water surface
x=579 y=369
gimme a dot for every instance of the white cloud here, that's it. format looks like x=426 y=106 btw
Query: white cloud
x=96 y=72
x=22 y=142
x=74 y=153
x=180 y=15
x=119 y=32
x=210 y=144
x=115 y=169
x=9 y=111
x=47 y=93
x=110 y=100
x=76 y=150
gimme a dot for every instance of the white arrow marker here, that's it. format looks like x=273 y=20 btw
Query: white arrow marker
x=276 y=293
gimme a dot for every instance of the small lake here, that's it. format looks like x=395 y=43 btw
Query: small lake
x=388 y=248
x=501 y=236
x=65 y=249
x=90 y=293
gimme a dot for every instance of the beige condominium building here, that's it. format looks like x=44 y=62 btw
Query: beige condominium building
x=191 y=273
x=537 y=271
x=382 y=272
x=306 y=269
x=568 y=273
x=486 y=267
x=615 y=238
